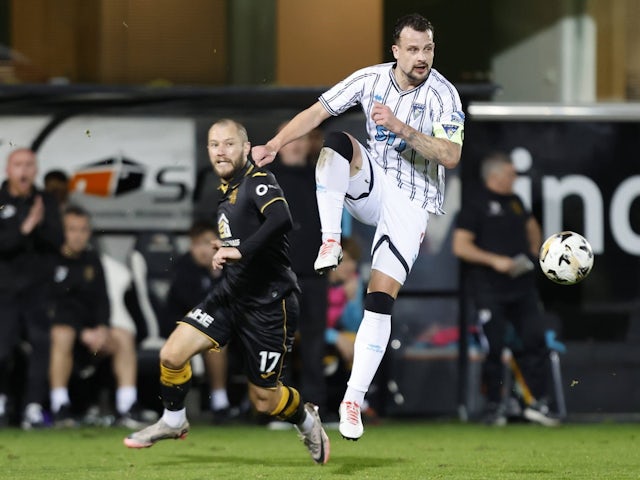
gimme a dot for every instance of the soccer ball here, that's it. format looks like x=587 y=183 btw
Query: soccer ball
x=566 y=258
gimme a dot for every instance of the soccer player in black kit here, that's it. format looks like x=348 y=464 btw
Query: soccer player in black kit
x=255 y=301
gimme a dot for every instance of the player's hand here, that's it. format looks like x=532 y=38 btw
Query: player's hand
x=225 y=255
x=216 y=245
x=95 y=338
x=35 y=216
x=382 y=115
x=263 y=155
x=502 y=264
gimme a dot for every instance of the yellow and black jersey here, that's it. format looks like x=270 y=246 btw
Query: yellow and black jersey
x=254 y=217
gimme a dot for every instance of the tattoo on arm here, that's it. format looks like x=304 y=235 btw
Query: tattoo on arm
x=431 y=148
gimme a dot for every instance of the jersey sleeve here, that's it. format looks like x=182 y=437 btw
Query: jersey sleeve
x=469 y=216
x=264 y=190
x=449 y=122
x=270 y=202
x=346 y=93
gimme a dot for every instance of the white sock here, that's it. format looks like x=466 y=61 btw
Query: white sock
x=59 y=396
x=219 y=399
x=371 y=342
x=3 y=403
x=332 y=182
x=307 y=423
x=174 y=418
x=125 y=398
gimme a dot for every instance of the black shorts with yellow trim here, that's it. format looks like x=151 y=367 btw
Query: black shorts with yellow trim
x=265 y=334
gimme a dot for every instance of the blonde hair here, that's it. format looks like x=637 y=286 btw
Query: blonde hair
x=242 y=131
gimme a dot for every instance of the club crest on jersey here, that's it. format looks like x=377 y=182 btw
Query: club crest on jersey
x=417 y=110
x=7 y=211
x=60 y=273
x=450 y=130
x=495 y=208
x=516 y=208
x=89 y=273
x=224 y=230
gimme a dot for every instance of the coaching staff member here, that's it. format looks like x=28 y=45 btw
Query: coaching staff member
x=30 y=234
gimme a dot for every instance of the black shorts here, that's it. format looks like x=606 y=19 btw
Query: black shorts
x=60 y=316
x=266 y=333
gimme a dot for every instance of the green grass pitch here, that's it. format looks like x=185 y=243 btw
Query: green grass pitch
x=394 y=450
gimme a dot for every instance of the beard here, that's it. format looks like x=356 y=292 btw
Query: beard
x=229 y=168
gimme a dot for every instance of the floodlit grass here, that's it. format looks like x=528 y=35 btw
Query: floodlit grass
x=424 y=450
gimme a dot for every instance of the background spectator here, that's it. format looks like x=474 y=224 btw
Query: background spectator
x=30 y=236
x=80 y=314
x=499 y=240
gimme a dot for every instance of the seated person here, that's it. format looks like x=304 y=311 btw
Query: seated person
x=192 y=280
x=80 y=311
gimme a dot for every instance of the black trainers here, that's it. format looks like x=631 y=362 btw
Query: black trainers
x=221 y=416
x=64 y=418
x=539 y=413
x=495 y=415
x=33 y=417
x=136 y=418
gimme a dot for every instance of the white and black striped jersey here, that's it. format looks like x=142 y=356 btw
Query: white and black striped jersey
x=433 y=108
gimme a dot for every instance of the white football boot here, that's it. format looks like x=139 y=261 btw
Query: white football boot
x=350 y=427
x=329 y=256
x=153 y=433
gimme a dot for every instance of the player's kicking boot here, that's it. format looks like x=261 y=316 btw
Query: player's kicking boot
x=350 y=427
x=316 y=439
x=153 y=433
x=329 y=256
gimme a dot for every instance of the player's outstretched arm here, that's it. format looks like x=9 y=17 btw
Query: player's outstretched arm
x=300 y=125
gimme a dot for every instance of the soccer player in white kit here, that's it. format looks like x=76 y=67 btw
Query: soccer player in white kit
x=415 y=125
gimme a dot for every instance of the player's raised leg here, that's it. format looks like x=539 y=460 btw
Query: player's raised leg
x=333 y=169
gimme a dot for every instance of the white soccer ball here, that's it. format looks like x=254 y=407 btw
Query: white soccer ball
x=566 y=258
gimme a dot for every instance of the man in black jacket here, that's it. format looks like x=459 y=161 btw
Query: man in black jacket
x=30 y=234
x=499 y=239
x=255 y=301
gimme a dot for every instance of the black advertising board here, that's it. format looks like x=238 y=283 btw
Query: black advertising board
x=579 y=169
